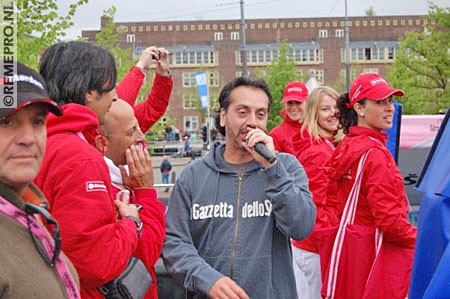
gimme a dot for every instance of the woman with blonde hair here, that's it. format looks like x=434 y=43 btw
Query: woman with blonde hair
x=322 y=124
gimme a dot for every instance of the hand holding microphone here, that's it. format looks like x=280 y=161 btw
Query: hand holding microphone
x=260 y=141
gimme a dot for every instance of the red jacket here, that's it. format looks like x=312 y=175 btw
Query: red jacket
x=154 y=230
x=75 y=179
x=284 y=134
x=149 y=111
x=382 y=201
x=314 y=158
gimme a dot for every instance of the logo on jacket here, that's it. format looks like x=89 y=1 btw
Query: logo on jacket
x=224 y=210
x=220 y=210
x=257 y=209
x=95 y=186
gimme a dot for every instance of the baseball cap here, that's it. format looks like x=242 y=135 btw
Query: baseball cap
x=371 y=86
x=31 y=89
x=295 y=91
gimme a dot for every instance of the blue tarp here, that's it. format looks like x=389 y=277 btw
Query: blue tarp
x=431 y=269
x=394 y=132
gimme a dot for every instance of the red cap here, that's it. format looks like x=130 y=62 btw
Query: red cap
x=295 y=91
x=371 y=86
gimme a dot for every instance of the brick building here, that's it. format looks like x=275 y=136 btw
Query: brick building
x=317 y=46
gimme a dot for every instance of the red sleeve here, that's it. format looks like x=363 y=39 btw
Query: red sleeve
x=313 y=160
x=98 y=245
x=150 y=111
x=154 y=229
x=128 y=88
x=386 y=198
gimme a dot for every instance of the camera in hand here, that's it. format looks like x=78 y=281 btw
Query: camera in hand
x=262 y=149
x=155 y=57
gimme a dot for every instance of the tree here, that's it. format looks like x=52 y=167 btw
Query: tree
x=370 y=12
x=422 y=65
x=277 y=75
x=108 y=37
x=39 y=26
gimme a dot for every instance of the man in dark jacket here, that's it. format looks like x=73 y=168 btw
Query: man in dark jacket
x=231 y=215
x=165 y=168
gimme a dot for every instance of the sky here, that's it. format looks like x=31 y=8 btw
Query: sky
x=88 y=15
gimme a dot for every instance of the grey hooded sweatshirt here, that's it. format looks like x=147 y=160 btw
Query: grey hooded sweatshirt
x=220 y=223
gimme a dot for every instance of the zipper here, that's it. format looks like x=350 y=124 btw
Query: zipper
x=238 y=215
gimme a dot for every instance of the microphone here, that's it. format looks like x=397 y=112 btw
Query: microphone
x=261 y=149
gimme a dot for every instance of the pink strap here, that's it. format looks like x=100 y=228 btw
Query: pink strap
x=42 y=234
x=329 y=143
x=348 y=217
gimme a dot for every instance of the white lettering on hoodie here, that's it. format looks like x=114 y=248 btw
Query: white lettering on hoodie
x=225 y=210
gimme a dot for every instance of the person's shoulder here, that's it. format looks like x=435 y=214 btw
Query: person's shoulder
x=276 y=130
x=287 y=159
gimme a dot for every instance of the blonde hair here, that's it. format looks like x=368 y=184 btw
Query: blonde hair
x=311 y=121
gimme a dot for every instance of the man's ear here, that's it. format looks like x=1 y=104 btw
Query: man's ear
x=222 y=117
x=90 y=97
x=101 y=143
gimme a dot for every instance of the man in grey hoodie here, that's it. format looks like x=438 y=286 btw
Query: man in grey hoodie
x=231 y=215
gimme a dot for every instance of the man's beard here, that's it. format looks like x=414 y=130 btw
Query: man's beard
x=236 y=139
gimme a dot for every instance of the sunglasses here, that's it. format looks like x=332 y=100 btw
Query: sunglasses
x=30 y=210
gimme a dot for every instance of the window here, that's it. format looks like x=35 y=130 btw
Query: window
x=188 y=80
x=323 y=33
x=194 y=57
x=339 y=33
x=190 y=101
x=318 y=74
x=190 y=123
x=218 y=36
x=213 y=79
x=234 y=35
x=391 y=53
x=131 y=38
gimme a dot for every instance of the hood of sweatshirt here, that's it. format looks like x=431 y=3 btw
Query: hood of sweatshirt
x=354 y=145
x=76 y=118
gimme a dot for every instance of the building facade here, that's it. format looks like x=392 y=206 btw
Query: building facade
x=316 y=46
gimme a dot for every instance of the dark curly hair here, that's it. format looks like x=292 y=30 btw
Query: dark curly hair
x=347 y=116
x=224 y=97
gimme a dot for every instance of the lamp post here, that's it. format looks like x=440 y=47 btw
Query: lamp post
x=347 y=50
x=243 y=42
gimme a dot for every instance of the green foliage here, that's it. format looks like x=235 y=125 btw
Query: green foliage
x=39 y=26
x=278 y=74
x=108 y=37
x=422 y=65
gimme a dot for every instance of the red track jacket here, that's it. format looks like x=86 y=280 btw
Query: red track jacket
x=314 y=158
x=382 y=202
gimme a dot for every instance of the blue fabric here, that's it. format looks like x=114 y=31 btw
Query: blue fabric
x=394 y=132
x=431 y=275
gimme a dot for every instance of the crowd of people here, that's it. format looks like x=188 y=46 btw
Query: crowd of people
x=78 y=203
